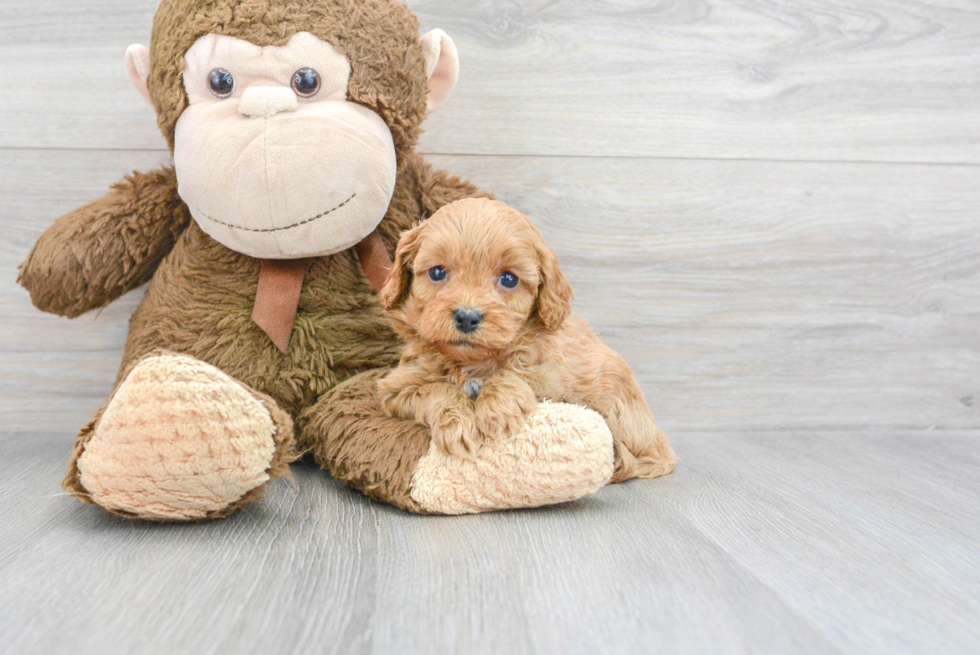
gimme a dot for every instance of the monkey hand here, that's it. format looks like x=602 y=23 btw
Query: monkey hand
x=98 y=252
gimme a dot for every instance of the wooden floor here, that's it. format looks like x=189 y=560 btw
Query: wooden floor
x=771 y=209
x=821 y=542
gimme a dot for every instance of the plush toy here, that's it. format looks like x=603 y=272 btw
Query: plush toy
x=292 y=127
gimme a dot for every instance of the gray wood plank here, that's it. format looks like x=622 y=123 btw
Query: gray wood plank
x=78 y=579
x=882 y=80
x=746 y=295
x=852 y=542
x=849 y=525
x=782 y=307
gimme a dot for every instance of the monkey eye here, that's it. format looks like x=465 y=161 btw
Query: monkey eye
x=437 y=274
x=221 y=82
x=509 y=280
x=306 y=82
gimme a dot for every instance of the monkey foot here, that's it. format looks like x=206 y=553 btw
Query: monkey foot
x=563 y=452
x=181 y=440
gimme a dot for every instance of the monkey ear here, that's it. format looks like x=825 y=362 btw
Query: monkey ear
x=400 y=275
x=555 y=293
x=441 y=67
x=138 y=68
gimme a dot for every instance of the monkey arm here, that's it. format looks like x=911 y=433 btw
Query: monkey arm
x=98 y=252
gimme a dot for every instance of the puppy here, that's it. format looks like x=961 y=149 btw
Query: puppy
x=485 y=313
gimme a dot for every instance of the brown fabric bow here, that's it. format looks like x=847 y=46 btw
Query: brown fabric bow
x=281 y=283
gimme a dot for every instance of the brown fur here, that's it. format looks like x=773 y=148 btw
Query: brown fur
x=201 y=294
x=380 y=38
x=526 y=348
x=110 y=246
x=350 y=435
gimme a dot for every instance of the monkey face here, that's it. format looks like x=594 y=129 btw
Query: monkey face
x=271 y=157
x=286 y=119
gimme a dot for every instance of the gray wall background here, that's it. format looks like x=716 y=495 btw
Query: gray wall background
x=771 y=208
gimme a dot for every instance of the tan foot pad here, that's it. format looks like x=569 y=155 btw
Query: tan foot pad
x=563 y=453
x=179 y=440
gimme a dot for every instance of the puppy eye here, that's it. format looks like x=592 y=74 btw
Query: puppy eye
x=437 y=274
x=509 y=280
x=221 y=82
x=306 y=82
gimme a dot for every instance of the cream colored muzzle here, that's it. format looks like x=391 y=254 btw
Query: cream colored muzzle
x=266 y=101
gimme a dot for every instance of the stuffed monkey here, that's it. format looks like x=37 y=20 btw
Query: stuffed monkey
x=292 y=128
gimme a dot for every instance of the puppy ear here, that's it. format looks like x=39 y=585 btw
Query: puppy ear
x=555 y=293
x=400 y=275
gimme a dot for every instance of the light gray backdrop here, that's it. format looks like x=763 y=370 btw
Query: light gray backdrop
x=770 y=208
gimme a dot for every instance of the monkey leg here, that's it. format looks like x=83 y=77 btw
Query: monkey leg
x=564 y=452
x=179 y=440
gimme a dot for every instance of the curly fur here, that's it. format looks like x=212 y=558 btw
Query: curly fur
x=525 y=349
x=201 y=294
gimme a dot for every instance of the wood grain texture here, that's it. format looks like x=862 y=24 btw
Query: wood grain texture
x=861 y=542
x=807 y=330
x=882 y=80
x=746 y=295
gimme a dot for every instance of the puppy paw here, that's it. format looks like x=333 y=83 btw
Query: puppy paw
x=397 y=399
x=499 y=416
x=455 y=434
x=388 y=402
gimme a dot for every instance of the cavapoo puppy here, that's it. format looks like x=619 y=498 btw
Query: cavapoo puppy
x=485 y=312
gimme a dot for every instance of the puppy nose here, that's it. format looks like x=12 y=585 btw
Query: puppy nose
x=265 y=101
x=467 y=319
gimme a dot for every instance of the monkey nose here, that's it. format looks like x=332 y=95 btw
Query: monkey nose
x=265 y=101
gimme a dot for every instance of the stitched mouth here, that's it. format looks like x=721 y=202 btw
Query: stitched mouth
x=280 y=229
